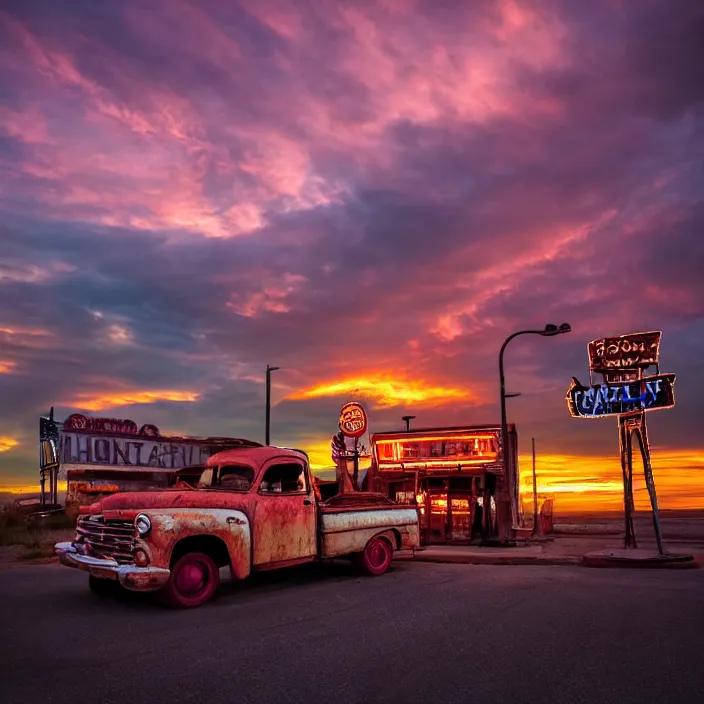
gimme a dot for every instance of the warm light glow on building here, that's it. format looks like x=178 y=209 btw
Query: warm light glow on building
x=130 y=398
x=387 y=390
x=436 y=450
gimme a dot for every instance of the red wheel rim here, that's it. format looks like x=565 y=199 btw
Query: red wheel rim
x=377 y=553
x=192 y=579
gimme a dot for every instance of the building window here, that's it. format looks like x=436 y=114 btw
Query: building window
x=386 y=451
x=410 y=451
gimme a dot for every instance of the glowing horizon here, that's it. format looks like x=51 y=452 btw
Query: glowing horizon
x=556 y=480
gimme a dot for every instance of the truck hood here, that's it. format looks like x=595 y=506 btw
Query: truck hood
x=132 y=502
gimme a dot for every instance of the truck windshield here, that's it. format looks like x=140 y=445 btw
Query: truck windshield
x=234 y=477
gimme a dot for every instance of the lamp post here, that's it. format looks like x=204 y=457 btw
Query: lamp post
x=548 y=331
x=267 y=434
x=407 y=420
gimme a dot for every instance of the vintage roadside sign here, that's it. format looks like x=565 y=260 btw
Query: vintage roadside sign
x=612 y=399
x=627 y=352
x=627 y=394
x=353 y=420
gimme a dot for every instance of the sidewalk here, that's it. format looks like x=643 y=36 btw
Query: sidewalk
x=553 y=550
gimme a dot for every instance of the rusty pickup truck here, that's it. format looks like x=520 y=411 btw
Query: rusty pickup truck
x=253 y=509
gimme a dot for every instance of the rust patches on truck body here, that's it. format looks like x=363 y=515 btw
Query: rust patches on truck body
x=285 y=528
x=347 y=530
x=172 y=525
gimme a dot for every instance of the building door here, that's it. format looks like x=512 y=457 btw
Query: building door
x=460 y=515
x=438 y=518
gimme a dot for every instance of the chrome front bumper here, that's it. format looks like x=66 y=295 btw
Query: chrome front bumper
x=138 y=579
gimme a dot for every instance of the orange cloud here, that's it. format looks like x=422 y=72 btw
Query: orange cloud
x=23 y=331
x=130 y=398
x=386 y=390
x=6 y=366
x=7 y=443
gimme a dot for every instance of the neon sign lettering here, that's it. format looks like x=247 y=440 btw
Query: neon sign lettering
x=353 y=420
x=604 y=400
x=634 y=351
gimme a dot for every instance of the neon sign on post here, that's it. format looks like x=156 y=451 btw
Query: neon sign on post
x=629 y=395
x=613 y=399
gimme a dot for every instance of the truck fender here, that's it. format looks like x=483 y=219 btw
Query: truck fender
x=170 y=526
x=392 y=535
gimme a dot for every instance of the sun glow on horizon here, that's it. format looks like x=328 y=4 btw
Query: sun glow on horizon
x=595 y=483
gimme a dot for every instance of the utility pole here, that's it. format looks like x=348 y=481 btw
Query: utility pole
x=267 y=436
x=535 y=495
x=509 y=470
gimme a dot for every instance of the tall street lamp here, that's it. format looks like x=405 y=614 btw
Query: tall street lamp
x=407 y=420
x=269 y=369
x=548 y=331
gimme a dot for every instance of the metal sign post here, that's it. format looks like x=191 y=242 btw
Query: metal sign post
x=629 y=395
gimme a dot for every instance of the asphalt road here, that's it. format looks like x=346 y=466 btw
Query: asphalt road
x=421 y=633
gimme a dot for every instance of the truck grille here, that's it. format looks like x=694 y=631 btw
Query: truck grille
x=101 y=538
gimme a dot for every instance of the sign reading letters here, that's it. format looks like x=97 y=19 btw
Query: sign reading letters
x=604 y=400
x=126 y=451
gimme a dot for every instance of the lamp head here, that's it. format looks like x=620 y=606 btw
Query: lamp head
x=551 y=329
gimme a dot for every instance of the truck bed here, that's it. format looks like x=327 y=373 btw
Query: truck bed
x=348 y=521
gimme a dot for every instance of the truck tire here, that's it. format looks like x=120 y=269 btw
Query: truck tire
x=376 y=557
x=103 y=587
x=193 y=581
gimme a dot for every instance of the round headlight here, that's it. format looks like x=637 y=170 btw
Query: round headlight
x=143 y=525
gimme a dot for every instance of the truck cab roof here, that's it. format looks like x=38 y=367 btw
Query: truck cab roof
x=254 y=457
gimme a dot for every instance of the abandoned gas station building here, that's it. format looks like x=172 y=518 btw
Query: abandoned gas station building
x=453 y=474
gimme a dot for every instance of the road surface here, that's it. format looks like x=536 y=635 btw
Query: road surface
x=422 y=633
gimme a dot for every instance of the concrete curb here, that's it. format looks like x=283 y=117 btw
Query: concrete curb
x=494 y=559
x=639 y=559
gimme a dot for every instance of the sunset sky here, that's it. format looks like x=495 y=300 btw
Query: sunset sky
x=370 y=195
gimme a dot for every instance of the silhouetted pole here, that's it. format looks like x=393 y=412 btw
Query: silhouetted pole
x=267 y=434
x=548 y=331
x=535 y=495
x=407 y=420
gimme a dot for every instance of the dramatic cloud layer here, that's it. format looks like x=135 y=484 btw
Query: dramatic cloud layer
x=370 y=195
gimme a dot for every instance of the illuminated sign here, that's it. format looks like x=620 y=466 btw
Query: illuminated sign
x=603 y=400
x=627 y=352
x=436 y=452
x=353 y=420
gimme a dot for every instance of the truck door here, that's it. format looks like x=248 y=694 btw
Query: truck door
x=285 y=518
